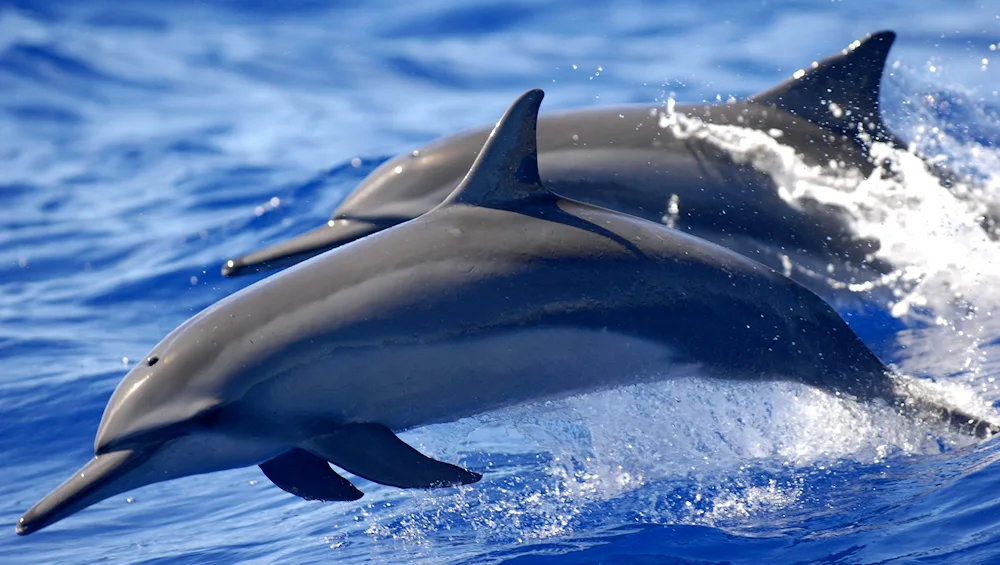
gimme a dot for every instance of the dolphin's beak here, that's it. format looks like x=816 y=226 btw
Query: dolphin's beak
x=105 y=476
x=334 y=234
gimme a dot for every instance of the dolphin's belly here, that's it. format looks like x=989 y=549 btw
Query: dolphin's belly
x=424 y=383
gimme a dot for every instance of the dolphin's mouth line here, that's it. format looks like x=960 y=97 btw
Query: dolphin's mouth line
x=207 y=415
x=143 y=440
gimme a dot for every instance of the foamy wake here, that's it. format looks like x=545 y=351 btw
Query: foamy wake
x=686 y=450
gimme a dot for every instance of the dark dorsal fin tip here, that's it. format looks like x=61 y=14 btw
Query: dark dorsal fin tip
x=841 y=91
x=506 y=169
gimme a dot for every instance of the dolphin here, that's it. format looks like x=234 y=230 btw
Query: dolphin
x=504 y=294
x=621 y=158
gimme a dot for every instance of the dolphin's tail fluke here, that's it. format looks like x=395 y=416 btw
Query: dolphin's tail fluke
x=840 y=93
x=333 y=234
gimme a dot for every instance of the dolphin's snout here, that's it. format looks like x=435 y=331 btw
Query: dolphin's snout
x=334 y=234
x=104 y=476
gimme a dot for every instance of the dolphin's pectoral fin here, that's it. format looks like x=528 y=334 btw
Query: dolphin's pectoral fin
x=373 y=451
x=303 y=474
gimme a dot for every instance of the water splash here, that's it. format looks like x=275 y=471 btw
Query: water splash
x=943 y=257
x=684 y=451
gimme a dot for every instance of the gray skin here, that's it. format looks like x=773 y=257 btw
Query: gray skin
x=621 y=159
x=503 y=294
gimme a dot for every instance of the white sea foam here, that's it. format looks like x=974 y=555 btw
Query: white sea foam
x=687 y=450
x=931 y=234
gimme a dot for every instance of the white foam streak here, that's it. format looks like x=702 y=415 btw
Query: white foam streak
x=930 y=233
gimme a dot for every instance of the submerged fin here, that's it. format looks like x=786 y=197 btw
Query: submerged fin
x=303 y=474
x=966 y=423
x=956 y=418
x=840 y=92
x=914 y=399
x=506 y=169
x=373 y=451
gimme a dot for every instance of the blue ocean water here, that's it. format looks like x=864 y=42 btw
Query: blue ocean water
x=143 y=143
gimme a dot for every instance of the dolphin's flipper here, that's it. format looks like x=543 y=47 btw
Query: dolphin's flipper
x=840 y=92
x=303 y=474
x=373 y=451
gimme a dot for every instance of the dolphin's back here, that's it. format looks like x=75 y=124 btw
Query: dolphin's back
x=636 y=298
x=624 y=159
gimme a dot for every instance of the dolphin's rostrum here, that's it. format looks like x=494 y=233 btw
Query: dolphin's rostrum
x=503 y=294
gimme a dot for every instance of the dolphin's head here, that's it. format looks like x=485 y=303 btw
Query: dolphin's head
x=176 y=413
x=187 y=380
x=167 y=419
x=162 y=398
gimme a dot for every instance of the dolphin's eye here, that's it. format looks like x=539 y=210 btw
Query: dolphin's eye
x=152 y=360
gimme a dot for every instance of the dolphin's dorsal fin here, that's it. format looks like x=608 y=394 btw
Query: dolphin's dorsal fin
x=840 y=91
x=506 y=169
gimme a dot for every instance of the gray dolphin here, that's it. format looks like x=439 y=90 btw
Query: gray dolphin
x=503 y=294
x=620 y=158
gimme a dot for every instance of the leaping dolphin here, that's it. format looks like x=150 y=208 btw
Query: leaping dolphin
x=503 y=294
x=622 y=159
